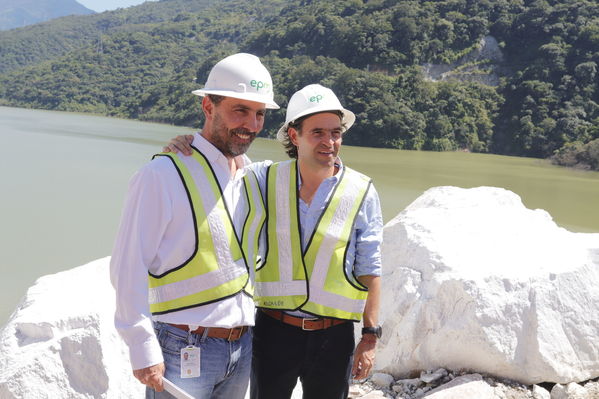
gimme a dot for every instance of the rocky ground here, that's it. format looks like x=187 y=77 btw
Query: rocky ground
x=447 y=384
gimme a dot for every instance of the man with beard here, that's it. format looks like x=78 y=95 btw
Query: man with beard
x=183 y=261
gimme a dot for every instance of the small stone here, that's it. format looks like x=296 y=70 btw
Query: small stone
x=466 y=386
x=356 y=391
x=397 y=388
x=410 y=382
x=374 y=395
x=570 y=391
x=431 y=377
x=575 y=391
x=538 y=392
x=382 y=380
x=441 y=371
x=558 y=392
x=592 y=389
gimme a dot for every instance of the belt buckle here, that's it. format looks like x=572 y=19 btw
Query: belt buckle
x=232 y=330
x=309 y=319
x=230 y=334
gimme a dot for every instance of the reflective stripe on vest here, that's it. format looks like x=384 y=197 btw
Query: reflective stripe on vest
x=218 y=268
x=281 y=283
x=252 y=226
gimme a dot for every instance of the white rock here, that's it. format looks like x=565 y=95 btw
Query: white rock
x=374 y=395
x=558 y=392
x=61 y=342
x=539 y=392
x=413 y=382
x=356 y=391
x=466 y=386
x=592 y=389
x=382 y=380
x=432 y=377
x=474 y=280
x=569 y=391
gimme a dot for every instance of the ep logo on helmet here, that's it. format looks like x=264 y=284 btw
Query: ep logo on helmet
x=258 y=84
x=316 y=99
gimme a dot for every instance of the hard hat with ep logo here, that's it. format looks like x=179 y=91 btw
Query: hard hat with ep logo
x=314 y=99
x=240 y=76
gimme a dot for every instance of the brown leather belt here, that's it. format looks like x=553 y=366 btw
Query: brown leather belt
x=307 y=324
x=230 y=334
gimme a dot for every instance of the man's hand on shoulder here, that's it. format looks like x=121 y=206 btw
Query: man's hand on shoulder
x=151 y=376
x=181 y=144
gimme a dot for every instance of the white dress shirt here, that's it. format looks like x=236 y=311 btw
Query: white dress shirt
x=156 y=234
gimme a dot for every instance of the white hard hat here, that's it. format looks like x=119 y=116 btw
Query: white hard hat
x=313 y=99
x=241 y=76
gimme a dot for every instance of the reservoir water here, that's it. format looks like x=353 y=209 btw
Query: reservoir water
x=64 y=177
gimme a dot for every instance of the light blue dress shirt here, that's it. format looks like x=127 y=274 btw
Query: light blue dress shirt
x=364 y=252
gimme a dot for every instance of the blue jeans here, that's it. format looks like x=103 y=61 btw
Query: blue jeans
x=224 y=365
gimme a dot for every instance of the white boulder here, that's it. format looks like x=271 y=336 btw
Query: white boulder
x=472 y=279
x=61 y=342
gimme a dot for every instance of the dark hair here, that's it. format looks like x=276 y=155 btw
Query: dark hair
x=290 y=148
x=215 y=98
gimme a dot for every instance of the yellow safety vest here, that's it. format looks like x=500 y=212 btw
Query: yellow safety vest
x=219 y=265
x=315 y=280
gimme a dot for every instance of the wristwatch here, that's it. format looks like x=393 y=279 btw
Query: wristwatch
x=377 y=331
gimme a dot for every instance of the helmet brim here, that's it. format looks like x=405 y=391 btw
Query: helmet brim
x=255 y=97
x=348 y=120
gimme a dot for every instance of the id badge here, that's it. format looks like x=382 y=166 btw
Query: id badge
x=190 y=362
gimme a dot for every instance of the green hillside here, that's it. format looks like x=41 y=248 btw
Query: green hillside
x=46 y=41
x=18 y=13
x=414 y=72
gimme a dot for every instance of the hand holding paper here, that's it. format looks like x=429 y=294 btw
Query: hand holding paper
x=175 y=390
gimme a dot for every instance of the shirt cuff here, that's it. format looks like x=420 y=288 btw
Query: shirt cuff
x=146 y=354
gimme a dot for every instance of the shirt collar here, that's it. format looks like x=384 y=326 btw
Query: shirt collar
x=333 y=178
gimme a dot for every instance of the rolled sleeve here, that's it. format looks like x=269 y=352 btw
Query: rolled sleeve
x=369 y=235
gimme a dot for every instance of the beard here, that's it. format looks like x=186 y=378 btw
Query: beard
x=231 y=142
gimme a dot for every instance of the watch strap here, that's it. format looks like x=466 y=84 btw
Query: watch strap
x=376 y=331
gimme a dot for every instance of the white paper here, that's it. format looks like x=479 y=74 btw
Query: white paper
x=175 y=390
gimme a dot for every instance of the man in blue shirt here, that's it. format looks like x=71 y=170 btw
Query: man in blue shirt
x=323 y=272
x=321 y=259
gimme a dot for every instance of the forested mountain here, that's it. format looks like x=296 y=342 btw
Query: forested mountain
x=18 y=13
x=377 y=55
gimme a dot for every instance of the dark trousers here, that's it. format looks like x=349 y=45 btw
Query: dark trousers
x=282 y=353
